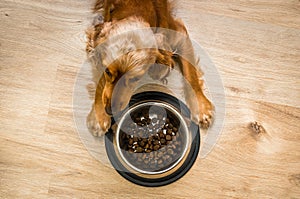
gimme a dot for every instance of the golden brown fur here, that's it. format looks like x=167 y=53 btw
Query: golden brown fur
x=126 y=61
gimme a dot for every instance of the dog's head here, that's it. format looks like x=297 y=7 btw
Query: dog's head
x=125 y=51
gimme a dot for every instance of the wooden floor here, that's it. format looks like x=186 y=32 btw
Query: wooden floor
x=254 y=44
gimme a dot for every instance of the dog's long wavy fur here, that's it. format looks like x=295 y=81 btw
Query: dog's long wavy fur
x=127 y=44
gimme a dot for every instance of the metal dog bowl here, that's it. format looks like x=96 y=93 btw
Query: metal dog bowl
x=152 y=162
x=154 y=143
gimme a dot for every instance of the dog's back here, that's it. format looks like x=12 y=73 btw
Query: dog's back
x=158 y=13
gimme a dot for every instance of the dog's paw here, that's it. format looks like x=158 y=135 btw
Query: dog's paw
x=97 y=129
x=206 y=114
x=202 y=112
x=206 y=119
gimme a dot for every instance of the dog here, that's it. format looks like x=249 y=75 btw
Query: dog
x=125 y=59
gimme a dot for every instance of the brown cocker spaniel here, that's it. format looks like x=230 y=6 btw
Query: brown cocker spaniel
x=126 y=59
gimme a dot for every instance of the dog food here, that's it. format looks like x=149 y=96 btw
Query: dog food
x=151 y=139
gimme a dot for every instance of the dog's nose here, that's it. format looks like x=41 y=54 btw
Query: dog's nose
x=108 y=110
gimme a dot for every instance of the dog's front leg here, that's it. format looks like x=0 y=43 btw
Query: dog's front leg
x=202 y=110
x=98 y=122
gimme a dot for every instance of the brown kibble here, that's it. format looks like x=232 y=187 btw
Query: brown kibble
x=170 y=151
x=142 y=144
x=135 y=139
x=169 y=132
x=160 y=161
x=163 y=141
x=161 y=135
x=130 y=142
x=151 y=147
x=156 y=142
x=160 y=154
x=168 y=137
x=175 y=130
x=156 y=147
x=139 y=149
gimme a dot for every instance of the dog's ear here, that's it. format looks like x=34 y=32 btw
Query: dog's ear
x=165 y=57
x=95 y=48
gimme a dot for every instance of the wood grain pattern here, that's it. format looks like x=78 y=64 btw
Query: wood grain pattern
x=256 y=48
